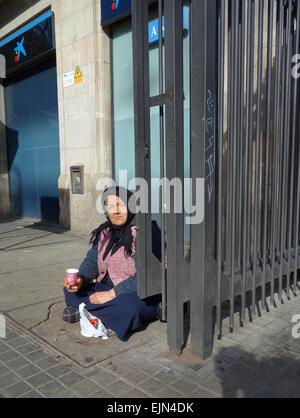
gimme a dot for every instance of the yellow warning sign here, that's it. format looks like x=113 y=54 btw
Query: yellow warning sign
x=78 y=76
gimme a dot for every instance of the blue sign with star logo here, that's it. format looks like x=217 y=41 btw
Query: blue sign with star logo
x=111 y=10
x=29 y=42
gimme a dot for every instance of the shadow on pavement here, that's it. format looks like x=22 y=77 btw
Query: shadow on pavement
x=47 y=226
x=251 y=376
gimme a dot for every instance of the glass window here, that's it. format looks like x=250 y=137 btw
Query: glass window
x=123 y=109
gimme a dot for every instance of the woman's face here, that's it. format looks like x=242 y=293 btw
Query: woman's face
x=116 y=210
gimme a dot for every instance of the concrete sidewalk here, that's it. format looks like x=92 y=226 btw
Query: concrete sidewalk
x=34 y=258
x=42 y=356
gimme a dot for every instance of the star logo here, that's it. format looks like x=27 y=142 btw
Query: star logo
x=19 y=50
x=115 y=4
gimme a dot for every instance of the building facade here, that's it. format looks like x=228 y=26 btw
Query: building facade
x=48 y=124
x=57 y=153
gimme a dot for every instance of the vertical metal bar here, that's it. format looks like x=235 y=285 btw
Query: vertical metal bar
x=275 y=156
x=174 y=149
x=281 y=156
x=229 y=138
x=248 y=150
x=283 y=160
x=241 y=126
x=267 y=151
x=220 y=160
x=281 y=146
x=290 y=137
x=285 y=138
x=142 y=125
x=162 y=163
x=231 y=131
x=238 y=136
x=235 y=17
x=296 y=130
x=250 y=122
x=203 y=118
x=257 y=151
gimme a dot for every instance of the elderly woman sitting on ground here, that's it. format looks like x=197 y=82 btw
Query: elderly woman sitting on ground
x=113 y=297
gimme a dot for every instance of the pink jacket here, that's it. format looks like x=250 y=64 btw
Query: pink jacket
x=120 y=266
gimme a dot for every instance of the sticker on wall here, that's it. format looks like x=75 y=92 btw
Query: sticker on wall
x=78 y=76
x=68 y=79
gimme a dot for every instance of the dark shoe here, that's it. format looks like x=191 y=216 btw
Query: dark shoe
x=71 y=315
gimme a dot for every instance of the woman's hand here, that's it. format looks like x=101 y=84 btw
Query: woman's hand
x=99 y=298
x=74 y=288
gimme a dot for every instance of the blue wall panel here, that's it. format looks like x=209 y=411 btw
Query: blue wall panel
x=33 y=143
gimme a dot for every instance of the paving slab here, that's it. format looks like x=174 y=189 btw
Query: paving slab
x=32 y=315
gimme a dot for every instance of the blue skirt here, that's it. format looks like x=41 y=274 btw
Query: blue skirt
x=123 y=314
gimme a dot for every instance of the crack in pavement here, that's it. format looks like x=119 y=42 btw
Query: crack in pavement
x=45 y=320
x=57 y=300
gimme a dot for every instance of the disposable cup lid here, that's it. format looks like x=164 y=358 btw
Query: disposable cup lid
x=72 y=271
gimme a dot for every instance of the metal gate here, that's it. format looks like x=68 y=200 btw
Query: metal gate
x=244 y=142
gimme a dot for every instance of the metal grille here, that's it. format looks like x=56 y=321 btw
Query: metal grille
x=258 y=196
x=244 y=142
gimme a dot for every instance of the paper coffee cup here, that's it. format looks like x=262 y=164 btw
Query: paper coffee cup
x=72 y=276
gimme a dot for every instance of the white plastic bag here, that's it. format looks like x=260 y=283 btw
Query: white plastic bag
x=89 y=330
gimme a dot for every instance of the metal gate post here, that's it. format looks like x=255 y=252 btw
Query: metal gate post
x=151 y=278
x=142 y=128
x=174 y=160
x=203 y=165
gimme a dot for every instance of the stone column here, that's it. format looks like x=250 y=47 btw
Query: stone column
x=84 y=109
